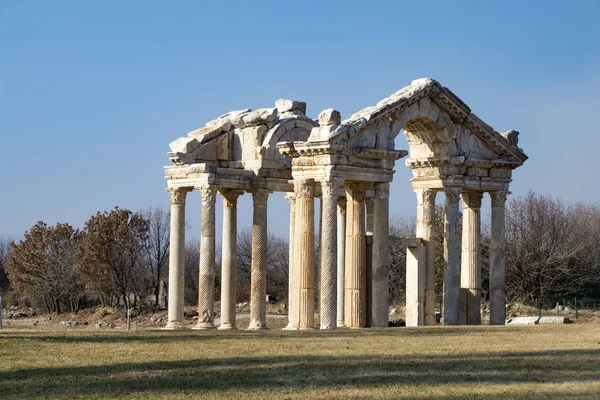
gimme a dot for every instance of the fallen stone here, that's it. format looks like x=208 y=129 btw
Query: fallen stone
x=284 y=105
x=523 y=321
x=554 y=320
x=66 y=324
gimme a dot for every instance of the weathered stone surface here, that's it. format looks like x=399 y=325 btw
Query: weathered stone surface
x=553 y=320
x=66 y=324
x=330 y=116
x=285 y=105
x=523 y=321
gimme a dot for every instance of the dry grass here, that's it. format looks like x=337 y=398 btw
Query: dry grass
x=443 y=362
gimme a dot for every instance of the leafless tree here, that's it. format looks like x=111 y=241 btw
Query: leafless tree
x=157 y=246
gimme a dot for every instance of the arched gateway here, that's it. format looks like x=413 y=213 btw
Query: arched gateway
x=349 y=164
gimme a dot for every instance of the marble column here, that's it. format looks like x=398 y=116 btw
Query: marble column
x=423 y=307
x=451 y=258
x=369 y=210
x=292 y=199
x=176 y=260
x=381 y=256
x=341 y=258
x=497 y=249
x=206 y=281
x=229 y=258
x=355 y=299
x=304 y=255
x=328 y=253
x=470 y=275
x=258 y=279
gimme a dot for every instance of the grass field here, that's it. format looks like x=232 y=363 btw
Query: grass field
x=536 y=362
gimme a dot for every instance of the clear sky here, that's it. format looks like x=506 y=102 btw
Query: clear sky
x=92 y=93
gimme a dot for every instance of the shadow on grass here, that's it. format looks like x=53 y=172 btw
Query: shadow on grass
x=271 y=375
x=157 y=336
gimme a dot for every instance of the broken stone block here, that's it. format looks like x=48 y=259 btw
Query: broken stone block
x=330 y=117
x=285 y=105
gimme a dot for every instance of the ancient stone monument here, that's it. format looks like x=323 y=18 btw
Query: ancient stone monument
x=349 y=165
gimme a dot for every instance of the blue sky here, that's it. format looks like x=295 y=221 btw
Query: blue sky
x=92 y=93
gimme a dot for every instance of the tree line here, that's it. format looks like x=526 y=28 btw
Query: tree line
x=120 y=258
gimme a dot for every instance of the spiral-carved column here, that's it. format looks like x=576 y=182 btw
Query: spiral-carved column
x=497 y=250
x=341 y=258
x=451 y=258
x=355 y=299
x=176 y=259
x=470 y=275
x=328 y=251
x=229 y=258
x=381 y=256
x=206 y=281
x=304 y=255
x=292 y=199
x=258 y=284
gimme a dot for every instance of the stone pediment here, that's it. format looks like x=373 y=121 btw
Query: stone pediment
x=437 y=124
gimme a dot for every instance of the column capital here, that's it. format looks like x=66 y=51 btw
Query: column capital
x=382 y=190
x=341 y=203
x=452 y=195
x=304 y=188
x=178 y=195
x=291 y=197
x=426 y=196
x=329 y=186
x=472 y=199
x=208 y=193
x=498 y=198
x=230 y=197
x=357 y=191
x=260 y=197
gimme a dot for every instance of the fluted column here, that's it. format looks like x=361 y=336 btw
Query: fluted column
x=451 y=258
x=327 y=294
x=470 y=275
x=355 y=300
x=369 y=210
x=258 y=283
x=497 y=249
x=341 y=258
x=292 y=199
x=381 y=256
x=304 y=255
x=176 y=259
x=229 y=258
x=206 y=281
x=422 y=303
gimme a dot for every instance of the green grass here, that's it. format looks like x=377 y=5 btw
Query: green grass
x=536 y=362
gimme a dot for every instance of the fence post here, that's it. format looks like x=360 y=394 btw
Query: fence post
x=128 y=318
x=576 y=310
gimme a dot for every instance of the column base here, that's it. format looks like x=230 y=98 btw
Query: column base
x=327 y=327
x=227 y=327
x=340 y=324
x=204 y=326
x=256 y=326
x=173 y=326
x=289 y=327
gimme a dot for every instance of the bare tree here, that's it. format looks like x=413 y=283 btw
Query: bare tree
x=157 y=246
x=4 y=252
x=399 y=227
